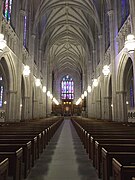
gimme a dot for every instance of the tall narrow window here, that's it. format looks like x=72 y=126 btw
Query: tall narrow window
x=67 y=88
x=7 y=8
x=25 y=31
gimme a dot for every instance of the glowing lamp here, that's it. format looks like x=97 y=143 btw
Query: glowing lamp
x=26 y=71
x=82 y=96
x=38 y=82
x=89 y=89
x=3 y=43
x=85 y=93
x=106 y=70
x=48 y=93
x=44 y=89
x=95 y=82
x=130 y=43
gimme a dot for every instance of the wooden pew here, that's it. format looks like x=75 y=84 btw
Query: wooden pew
x=15 y=155
x=4 y=162
x=123 y=167
x=113 y=151
x=33 y=140
x=26 y=145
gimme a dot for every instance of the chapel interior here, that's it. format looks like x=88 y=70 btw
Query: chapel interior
x=67 y=89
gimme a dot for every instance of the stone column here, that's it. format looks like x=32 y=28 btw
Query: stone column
x=98 y=109
x=107 y=108
x=122 y=107
x=132 y=15
x=11 y=106
x=1 y=13
x=25 y=109
x=112 y=54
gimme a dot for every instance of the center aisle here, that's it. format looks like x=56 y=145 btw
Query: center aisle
x=64 y=158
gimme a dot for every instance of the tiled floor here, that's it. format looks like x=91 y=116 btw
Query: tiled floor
x=64 y=158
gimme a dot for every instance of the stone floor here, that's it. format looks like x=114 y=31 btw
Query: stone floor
x=64 y=158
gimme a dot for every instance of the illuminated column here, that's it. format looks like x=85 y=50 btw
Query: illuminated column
x=112 y=55
x=1 y=5
x=132 y=15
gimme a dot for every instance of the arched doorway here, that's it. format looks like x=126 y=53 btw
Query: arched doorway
x=128 y=82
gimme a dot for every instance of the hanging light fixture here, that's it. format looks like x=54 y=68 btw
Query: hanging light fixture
x=82 y=96
x=38 y=82
x=48 y=93
x=51 y=96
x=130 y=43
x=89 y=89
x=95 y=82
x=44 y=89
x=26 y=71
x=85 y=93
x=106 y=70
x=3 y=42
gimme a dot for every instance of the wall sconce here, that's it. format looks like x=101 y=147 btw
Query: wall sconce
x=95 y=82
x=130 y=43
x=78 y=101
x=38 y=82
x=44 y=89
x=89 y=89
x=51 y=96
x=55 y=101
x=106 y=70
x=3 y=42
x=26 y=71
x=82 y=96
x=48 y=93
x=85 y=93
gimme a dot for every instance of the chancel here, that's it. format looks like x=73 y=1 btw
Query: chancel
x=67 y=89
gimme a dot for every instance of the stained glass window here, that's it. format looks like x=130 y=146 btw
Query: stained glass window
x=131 y=96
x=7 y=7
x=25 y=31
x=106 y=24
x=67 y=88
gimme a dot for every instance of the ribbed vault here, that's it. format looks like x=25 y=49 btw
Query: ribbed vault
x=66 y=30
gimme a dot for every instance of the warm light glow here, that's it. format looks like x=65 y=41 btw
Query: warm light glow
x=78 y=101
x=38 y=82
x=48 y=93
x=106 y=70
x=95 y=82
x=89 y=89
x=85 y=93
x=20 y=105
x=44 y=89
x=51 y=96
x=82 y=96
x=127 y=102
x=130 y=43
x=111 y=105
x=55 y=101
x=3 y=43
x=26 y=71
x=5 y=102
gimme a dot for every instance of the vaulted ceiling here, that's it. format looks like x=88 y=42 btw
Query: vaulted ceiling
x=67 y=30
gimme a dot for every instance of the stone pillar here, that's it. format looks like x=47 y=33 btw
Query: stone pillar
x=98 y=109
x=107 y=108
x=11 y=106
x=132 y=15
x=1 y=13
x=35 y=108
x=25 y=108
x=112 y=54
x=122 y=107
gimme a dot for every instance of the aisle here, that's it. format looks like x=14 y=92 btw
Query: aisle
x=64 y=158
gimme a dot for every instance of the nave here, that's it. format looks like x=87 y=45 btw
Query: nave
x=64 y=158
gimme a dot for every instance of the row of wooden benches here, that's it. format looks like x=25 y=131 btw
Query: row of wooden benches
x=21 y=145
x=110 y=145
